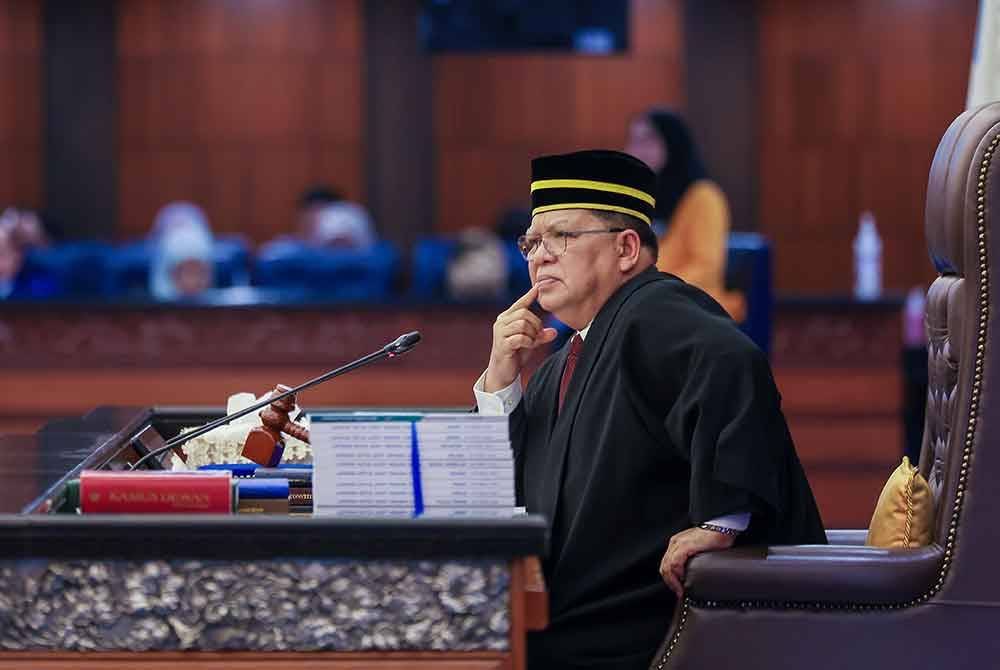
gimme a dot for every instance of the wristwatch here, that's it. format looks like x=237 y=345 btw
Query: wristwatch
x=719 y=529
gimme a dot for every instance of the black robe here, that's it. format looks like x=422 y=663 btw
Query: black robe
x=672 y=418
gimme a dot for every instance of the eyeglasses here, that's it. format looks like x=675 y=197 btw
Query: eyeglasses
x=555 y=241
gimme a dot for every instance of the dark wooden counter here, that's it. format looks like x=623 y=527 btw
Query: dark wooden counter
x=172 y=590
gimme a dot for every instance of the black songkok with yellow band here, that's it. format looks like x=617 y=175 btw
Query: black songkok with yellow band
x=595 y=179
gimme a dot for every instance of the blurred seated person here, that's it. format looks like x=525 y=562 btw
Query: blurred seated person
x=20 y=232
x=26 y=226
x=478 y=271
x=691 y=213
x=326 y=220
x=343 y=225
x=311 y=203
x=181 y=253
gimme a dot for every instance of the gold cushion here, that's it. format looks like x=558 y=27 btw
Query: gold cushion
x=904 y=515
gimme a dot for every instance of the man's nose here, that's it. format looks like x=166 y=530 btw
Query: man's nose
x=541 y=254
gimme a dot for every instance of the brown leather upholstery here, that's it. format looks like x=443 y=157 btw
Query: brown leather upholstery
x=847 y=605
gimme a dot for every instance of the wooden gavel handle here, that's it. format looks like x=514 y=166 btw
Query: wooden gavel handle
x=298 y=431
x=277 y=420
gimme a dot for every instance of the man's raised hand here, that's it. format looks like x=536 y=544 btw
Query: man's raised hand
x=516 y=332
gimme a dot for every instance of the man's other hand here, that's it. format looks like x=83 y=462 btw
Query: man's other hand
x=515 y=333
x=683 y=546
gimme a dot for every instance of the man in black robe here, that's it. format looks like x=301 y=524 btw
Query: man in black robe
x=658 y=426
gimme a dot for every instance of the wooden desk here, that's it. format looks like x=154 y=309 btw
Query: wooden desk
x=255 y=591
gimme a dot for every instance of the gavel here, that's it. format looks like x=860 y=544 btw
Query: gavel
x=265 y=444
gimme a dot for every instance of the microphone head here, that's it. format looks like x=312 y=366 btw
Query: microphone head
x=403 y=343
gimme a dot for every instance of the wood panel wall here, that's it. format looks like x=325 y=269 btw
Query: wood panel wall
x=20 y=111
x=494 y=112
x=854 y=96
x=238 y=106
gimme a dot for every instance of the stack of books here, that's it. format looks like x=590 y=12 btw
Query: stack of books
x=466 y=465
x=373 y=464
x=292 y=483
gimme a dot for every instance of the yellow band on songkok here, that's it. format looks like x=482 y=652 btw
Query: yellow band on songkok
x=599 y=179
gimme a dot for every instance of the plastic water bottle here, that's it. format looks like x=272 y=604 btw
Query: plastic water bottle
x=867 y=259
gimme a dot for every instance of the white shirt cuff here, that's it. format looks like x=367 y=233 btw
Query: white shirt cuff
x=501 y=403
x=739 y=521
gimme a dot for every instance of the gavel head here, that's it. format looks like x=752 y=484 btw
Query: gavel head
x=264 y=446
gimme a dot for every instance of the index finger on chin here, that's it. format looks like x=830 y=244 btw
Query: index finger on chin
x=526 y=299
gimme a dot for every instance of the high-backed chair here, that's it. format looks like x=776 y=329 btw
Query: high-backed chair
x=847 y=605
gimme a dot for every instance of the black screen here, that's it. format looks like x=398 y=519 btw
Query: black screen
x=586 y=26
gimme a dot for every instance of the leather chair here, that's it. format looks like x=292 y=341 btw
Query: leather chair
x=847 y=605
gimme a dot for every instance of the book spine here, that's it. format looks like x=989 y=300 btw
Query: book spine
x=146 y=493
x=263 y=488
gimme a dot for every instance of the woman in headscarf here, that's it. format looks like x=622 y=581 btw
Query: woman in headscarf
x=691 y=209
x=181 y=264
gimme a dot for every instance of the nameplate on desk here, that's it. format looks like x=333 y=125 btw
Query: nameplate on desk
x=388 y=464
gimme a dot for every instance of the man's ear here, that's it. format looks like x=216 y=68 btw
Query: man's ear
x=628 y=249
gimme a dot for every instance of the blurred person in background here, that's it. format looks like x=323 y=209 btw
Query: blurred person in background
x=343 y=225
x=478 y=270
x=311 y=203
x=692 y=214
x=181 y=252
x=26 y=227
x=21 y=231
x=327 y=220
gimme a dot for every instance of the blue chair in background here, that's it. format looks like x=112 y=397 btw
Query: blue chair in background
x=340 y=275
x=748 y=270
x=232 y=261
x=128 y=269
x=430 y=259
x=79 y=269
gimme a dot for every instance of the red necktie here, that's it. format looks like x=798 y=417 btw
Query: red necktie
x=574 y=353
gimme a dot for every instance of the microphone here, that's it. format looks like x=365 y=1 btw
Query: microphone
x=403 y=343
x=400 y=345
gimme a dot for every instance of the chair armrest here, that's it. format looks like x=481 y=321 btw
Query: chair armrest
x=813 y=574
x=854 y=536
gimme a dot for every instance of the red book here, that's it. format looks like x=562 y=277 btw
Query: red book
x=103 y=492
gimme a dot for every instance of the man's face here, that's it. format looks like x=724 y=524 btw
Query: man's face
x=191 y=276
x=573 y=284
